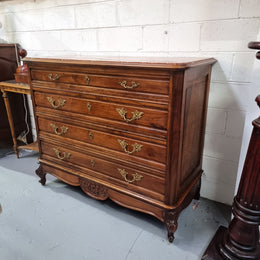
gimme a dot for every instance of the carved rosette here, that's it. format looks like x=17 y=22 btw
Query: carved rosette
x=93 y=189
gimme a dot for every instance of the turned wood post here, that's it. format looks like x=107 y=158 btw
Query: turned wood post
x=241 y=239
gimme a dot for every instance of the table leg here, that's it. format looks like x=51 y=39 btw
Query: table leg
x=10 y=120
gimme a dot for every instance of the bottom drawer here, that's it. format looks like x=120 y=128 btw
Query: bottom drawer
x=133 y=179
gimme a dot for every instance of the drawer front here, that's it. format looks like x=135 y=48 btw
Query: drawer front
x=127 y=83
x=126 y=145
x=122 y=175
x=119 y=112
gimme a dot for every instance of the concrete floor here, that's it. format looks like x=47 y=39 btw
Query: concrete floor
x=58 y=221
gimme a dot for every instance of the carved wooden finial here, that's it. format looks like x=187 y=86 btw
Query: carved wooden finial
x=255 y=46
x=22 y=52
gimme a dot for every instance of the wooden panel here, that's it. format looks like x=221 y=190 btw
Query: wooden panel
x=195 y=96
x=105 y=168
x=133 y=84
x=148 y=117
x=148 y=150
x=150 y=100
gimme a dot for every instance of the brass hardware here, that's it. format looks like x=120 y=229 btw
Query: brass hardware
x=91 y=136
x=66 y=155
x=89 y=106
x=124 y=84
x=64 y=129
x=92 y=162
x=87 y=79
x=124 y=145
x=54 y=76
x=136 y=114
x=61 y=102
x=136 y=176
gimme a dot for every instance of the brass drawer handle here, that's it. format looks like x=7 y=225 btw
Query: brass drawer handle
x=64 y=129
x=124 y=145
x=124 y=84
x=61 y=102
x=136 y=114
x=136 y=176
x=66 y=155
x=54 y=76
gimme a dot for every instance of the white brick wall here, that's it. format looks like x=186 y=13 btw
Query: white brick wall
x=205 y=28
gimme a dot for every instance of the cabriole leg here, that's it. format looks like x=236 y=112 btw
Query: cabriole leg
x=41 y=173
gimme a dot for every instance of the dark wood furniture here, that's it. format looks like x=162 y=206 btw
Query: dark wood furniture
x=131 y=131
x=241 y=239
x=9 y=56
x=11 y=86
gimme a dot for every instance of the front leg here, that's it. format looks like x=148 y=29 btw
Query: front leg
x=171 y=222
x=42 y=174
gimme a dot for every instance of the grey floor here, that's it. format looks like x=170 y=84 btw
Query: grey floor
x=58 y=221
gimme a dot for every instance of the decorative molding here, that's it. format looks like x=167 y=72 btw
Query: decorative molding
x=94 y=189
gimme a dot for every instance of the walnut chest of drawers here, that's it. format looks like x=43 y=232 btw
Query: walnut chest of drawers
x=131 y=131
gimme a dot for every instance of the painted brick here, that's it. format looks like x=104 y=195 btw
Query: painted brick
x=39 y=40
x=222 y=69
x=199 y=10
x=136 y=12
x=23 y=21
x=79 y=40
x=74 y=2
x=222 y=147
x=7 y=21
x=58 y=18
x=219 y=170
x=229 y=35
x=249 y=8
x=120 y=39
x=235 y=124
x=16 y=6
x=184 y=37
x=156 y=38
x=219 y=191
x=243 y=67
x=96 y=15
x=229 y=96
x=216 y=121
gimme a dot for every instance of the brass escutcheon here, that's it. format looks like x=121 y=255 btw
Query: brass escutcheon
x=54 y=76
x=124 y=84
x=66 y=155
x=87 y=79
x=61 y=102
x=136 y=114
x=91 y=136
x=124 y=173
x=89 y=106
x=136 y=147
x=92 y=162
x=64 y=129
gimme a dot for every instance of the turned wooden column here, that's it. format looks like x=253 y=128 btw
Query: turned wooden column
x=241 y=239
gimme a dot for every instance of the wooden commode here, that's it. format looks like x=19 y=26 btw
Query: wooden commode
x=129 y=130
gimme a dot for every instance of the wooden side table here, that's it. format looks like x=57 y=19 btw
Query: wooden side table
x=12 y=86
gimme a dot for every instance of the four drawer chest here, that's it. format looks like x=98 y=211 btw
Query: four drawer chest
x=129 y=130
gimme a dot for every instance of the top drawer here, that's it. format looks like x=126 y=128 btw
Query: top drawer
x=135 y=84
